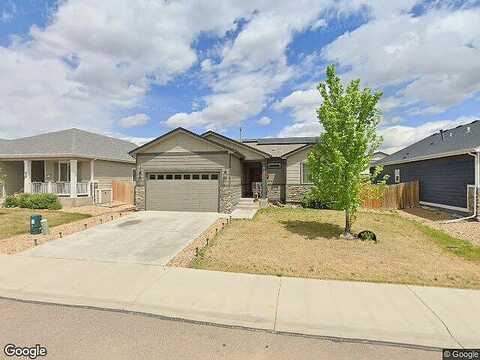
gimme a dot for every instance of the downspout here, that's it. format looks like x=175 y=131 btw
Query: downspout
x=476 y=156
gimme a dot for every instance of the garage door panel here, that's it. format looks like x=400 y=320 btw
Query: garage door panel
x=182 y=195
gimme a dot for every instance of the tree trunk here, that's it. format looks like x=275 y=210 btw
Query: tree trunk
x=347 y=233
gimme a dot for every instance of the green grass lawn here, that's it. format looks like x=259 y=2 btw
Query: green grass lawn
x=307 y=243
x=17 y=221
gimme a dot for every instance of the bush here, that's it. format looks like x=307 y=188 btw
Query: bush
x=34 y=201
x=11 y=201
x=309 y=200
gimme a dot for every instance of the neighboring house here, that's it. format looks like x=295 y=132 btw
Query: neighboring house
x=77 y=165
x=446 y=164
x=378 y=155
x=183 y=171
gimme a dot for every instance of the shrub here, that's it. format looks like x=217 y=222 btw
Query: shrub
x=309 y=200
x=11 y=201
x=36 y=201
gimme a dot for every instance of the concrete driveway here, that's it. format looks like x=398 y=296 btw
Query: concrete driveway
x=147 y=237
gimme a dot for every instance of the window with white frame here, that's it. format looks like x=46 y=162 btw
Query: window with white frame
x=306 y=174
x=397 y=176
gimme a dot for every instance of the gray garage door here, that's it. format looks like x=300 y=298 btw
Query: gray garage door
x=182 y=191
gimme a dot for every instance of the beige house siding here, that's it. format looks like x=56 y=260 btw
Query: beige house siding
x=249 y=154
x=180 y=142
x=14 y=172
x=236 y=179
x=294 y=166
x=106 y=171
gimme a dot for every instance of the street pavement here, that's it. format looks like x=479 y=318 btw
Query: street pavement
x=78 y=333
x=400 y=314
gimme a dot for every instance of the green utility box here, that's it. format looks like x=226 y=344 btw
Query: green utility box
x=36 y=224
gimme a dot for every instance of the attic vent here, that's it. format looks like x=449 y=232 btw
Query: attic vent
x=451 y=134
x=468 y=130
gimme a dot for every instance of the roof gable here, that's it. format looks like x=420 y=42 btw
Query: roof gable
x=180 y=140
x=459 y=140
x=248 y=152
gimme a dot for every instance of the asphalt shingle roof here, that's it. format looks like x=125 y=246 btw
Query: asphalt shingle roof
x=279 y=146
x=463 y=138
x=71 y=142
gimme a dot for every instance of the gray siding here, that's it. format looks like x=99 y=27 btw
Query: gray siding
x=14 y=172
x=294 y=166
x=235 y=179
x=106 y=171
x=182 y=161
x=442 y=181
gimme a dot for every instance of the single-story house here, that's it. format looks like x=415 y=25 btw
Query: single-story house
x=184 y=171
x=77 y=165
x=446 y=164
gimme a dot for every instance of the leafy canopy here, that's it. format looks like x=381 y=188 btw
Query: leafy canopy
x=344 y=150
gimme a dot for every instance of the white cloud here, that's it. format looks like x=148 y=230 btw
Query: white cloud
x=253 y=66
x=94 y=59
x=436 y=54
x=134 y=120
x=264 y=120
x=311 y=128
x=397 y=137
x=320 y=23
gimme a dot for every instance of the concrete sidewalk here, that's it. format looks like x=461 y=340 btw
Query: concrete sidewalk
x=433 y=317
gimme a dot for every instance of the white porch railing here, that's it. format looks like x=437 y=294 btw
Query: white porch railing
x=59 y=188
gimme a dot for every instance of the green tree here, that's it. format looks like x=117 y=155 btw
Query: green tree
x=349 y=117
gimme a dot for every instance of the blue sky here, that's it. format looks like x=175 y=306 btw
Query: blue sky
x=138 y=68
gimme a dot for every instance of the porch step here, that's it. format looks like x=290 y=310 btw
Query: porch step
x=247 y=203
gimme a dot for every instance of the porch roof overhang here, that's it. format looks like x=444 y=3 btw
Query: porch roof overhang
x=19 y=157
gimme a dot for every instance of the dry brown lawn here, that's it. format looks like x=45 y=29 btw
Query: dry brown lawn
x=306 y=243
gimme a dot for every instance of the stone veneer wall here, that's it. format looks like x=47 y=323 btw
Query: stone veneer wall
x=227 y=199
x=295 y=192
x=478 y=204
x=274 y=192
x=140 y=190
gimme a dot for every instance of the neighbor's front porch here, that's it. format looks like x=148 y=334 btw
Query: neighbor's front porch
x=66 y=178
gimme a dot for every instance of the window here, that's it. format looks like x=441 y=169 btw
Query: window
x=151 y=176
x=306 y=175
x=160 y=177
x=205 y=177
x=186 y=177
x=195 y=177
x=275 y=165
x=134 y=174
x=214 y=177
x=178 y=177
x=169 y=177
x=397 y=176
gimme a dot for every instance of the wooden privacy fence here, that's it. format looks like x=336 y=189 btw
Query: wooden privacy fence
x=123 y=191
x=398 y=196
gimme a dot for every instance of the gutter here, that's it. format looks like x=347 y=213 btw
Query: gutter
x=476 y=156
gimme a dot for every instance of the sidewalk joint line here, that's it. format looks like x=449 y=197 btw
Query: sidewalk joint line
x=435 y=314
x=276 y=304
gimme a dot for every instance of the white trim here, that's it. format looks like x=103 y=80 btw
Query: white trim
x=302 y=164
x=18 y=157
x=426 y=157
x=455 y=208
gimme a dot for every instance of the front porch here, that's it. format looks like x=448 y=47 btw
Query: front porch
x=254 y=179
x=66 y=178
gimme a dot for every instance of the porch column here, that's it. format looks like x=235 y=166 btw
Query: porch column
x=27 y=176
x=73 y=178
x=92 y=177
x=264 y=179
